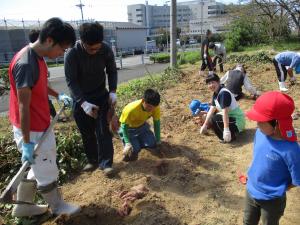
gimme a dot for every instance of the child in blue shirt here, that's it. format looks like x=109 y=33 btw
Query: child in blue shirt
x=276 y=159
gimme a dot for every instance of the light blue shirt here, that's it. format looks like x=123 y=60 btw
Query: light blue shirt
x=290 y=59
x=275 y=166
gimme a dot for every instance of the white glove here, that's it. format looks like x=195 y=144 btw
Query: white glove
x=113 y=98
x=127 y=149
x=258 y=93
x=65 y=99
x=203 y=129
x=90 y=109
x=210 y=72
x=226 y=135
x=204 y=56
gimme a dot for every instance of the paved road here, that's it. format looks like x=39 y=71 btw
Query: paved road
x=58 y=82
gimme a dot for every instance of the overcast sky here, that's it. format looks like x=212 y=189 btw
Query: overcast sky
x=103 y=10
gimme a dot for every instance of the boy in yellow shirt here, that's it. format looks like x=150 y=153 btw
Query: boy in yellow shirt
x=135 y=131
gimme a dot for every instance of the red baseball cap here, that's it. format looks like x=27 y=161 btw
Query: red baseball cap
x=274 y=105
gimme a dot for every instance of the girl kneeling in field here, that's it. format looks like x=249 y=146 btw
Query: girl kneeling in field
x=225 y=116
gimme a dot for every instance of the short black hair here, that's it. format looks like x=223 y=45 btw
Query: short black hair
x=212 y=77
x=211 y=45
x=91 y=33
x=152 y=97
x=61 y=32
x=33 y=35
x=273 y=123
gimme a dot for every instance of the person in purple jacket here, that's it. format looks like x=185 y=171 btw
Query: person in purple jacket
x=285 y=63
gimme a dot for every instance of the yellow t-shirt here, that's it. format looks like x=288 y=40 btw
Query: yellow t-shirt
x=134 y=116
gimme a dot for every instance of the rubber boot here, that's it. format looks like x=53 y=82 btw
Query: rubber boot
x=282 y=86
x=56 y=203
x=25 y=193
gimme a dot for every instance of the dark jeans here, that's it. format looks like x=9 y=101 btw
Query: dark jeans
x=206 y=63
x=218 y=126
x=270 y=211
x=95 y=133
x=218 y=59
x=280 y=70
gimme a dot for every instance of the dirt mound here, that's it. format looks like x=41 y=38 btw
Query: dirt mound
x=194 y=181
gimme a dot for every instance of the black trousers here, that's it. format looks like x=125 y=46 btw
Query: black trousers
x=218 y=59
x=95 y=133
x=218 y=126
x=207 y=63
x=270 y=211
x=280 y=70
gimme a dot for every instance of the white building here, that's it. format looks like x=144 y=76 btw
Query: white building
x=193 y=17
x=157 y=17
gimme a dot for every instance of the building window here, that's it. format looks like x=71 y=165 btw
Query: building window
x=212 y=12
x=212 y=7
x=139 y=15
x=140 y=21
x=137 y=10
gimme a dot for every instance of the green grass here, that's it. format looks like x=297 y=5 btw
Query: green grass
x=278 y=46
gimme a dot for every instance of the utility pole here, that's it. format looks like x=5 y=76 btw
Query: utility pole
x=5 y=22
x=166 y=3
x=80 y=5
x=173 y=26
x=23 y=24
x=202 y=4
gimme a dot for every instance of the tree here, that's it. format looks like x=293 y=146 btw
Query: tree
x=273 y=17
x=293 y=9
x=257 y=21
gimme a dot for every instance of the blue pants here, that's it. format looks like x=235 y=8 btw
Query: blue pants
x=96 y=137
x=141 y=137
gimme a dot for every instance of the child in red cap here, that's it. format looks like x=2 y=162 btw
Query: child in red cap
x=276 y=159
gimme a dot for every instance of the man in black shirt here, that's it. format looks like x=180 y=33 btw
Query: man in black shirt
x=87 y=65
x=206 y=59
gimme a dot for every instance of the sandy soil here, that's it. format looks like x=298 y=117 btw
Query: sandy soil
x=199 y=182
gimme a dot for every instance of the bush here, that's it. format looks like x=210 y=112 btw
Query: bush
x=160 y=57
x=188 y=57
x=242 y=33
x=182 y=57
x=4 y=81
x=134 y=89
x=261 y=57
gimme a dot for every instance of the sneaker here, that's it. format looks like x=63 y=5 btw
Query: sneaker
x=89 y=167
x=282 y=87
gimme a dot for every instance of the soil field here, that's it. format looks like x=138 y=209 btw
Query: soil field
x=194 y=182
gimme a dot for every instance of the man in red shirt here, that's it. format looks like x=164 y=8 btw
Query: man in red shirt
x=30 y=116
